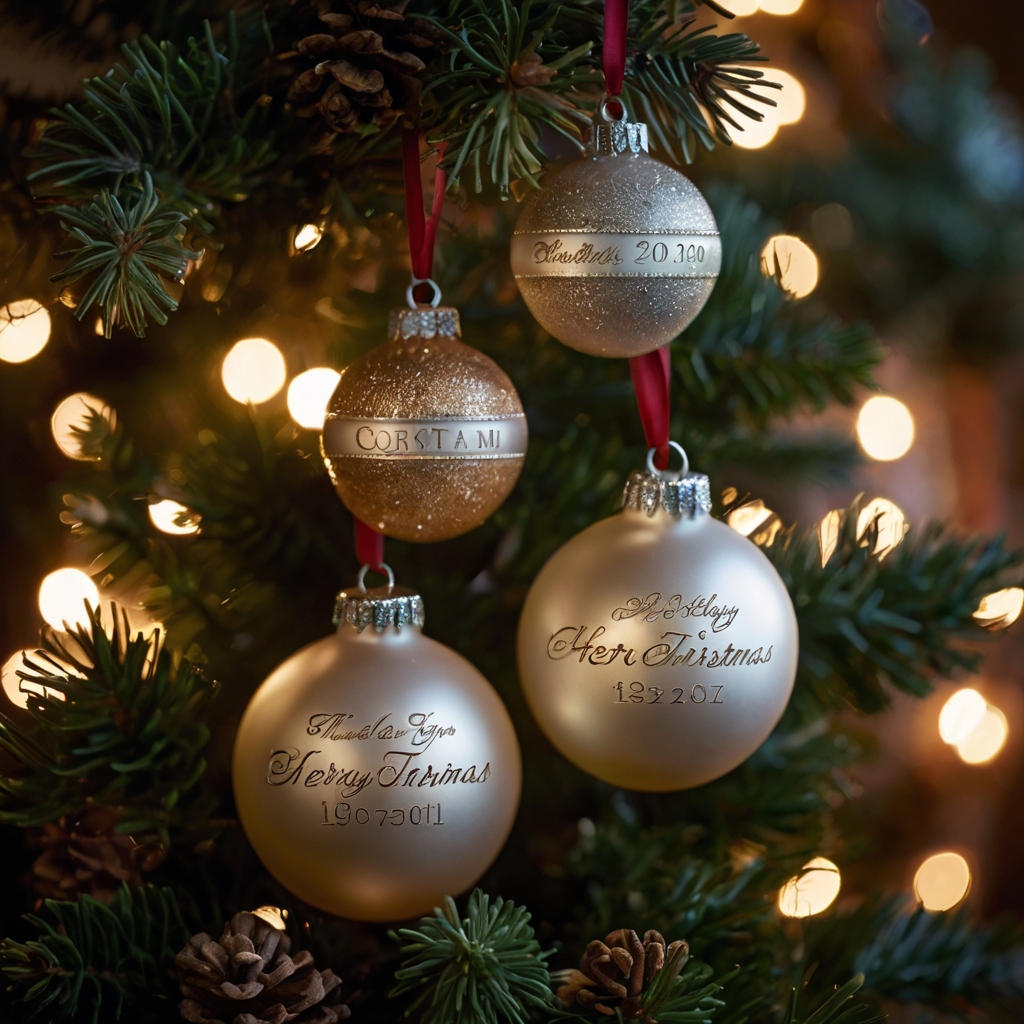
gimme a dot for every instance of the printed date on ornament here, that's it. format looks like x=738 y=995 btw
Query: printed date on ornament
x=638 y=693
x=419 y=814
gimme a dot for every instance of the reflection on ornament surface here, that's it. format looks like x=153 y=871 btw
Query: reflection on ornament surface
x=24 y=330
x=309 y=395
x=62 y=597
x=885 y=428
x=792 y=263
x=165 y=515
x=1001 y=609
x=960 y=715
x=942 y=881
x=986 y=739
x=253 y=371
x=812 y=891
x=80 y=424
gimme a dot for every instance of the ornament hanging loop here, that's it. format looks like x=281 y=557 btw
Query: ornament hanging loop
x=666 y=474
x=383 y=568
x=605 y=107
x=410 y=297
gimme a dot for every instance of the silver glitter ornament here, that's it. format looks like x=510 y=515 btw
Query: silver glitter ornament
x=658 y=648
x=619 y=252
x=376 y=771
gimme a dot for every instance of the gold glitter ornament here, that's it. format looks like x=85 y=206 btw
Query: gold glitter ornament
x=658 y=648
x=376 y=771
x=619 y=252
x=424 y=436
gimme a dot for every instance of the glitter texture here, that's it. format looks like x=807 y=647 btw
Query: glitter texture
x=632 y=194
x=424 y=378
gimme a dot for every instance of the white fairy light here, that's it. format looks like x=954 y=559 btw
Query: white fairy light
x=165 y=514
x=24 y=330
x=942 y=881
x=253 y=371
x=308 y=395
x=62 y=597
x=792 y=263
x=812 y=891
x=885 y=428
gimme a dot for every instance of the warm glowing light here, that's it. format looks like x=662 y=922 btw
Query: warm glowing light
x=253 y=371
x=73 y=423
x=165 y=515
x=828 y=534
x=791 y=98
x=274 y=916
x=742 y=7
x=62 y=597
x=790 y=102
x=307 y=237
x=24 y=330
x=986 y=739
x=792 y=263
x=1001 y=609
x=747 y=518
x=942 y=881
x=18 y=689
x=890 y=522
x=308 y=395
x=960 y=715
x=780 y=6
x=755 y=134
x=812 y=891
x=885 y=428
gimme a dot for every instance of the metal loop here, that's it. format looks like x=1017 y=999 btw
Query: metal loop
x=604 y=113
x=435 y=300
x=665 y=474
x=361 y=578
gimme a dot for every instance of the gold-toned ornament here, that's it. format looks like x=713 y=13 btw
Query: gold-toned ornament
x=376 y=771
x=658 y=648
x=425 y=436
x=619 y=252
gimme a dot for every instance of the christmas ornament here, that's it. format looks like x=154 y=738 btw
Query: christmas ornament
x=425 y=436
x=619 y=252
x=249 y=975
x=658 y=648
x=376 y=771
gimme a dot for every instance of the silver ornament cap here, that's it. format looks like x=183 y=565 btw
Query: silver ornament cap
x=387 y=607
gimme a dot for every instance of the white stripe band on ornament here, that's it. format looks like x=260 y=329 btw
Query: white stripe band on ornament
x=463 y=438
x=691 y=254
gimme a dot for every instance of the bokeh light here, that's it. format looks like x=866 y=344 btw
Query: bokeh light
x=18 y=689
x=885 y=428
x=755 y=134
x=812 y=891
x=62 y=597
x=790 y=104
x=740 y=8
x=791 y=98
x=891 y=524
x=1001 y=609
x=307 y=237
x=780 y=6
x=986 y=739
x=792 y=263
x=308 y=395
x=274 y=916
x=960 y=715
x=747 y=518
x=253 y=371
x=73 y=419
x=828 y=533
x=165 y=514
x=942 y=881
x=24 y=330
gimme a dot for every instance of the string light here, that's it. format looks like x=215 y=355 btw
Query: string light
x=812 y=891
x=307 y=237
x=791 y=98
x=24 y=330
x=780 y=6
x=1001 y=609
x=828 y=534
x=73 y=424
x=308 y=395
x=253 y=371
x=986 y=739
x=792 y=263
x=165 y=516
x=790 y=104
x=961 y=714
x=942 y=881
x=62 y=597
x=885 y=428
x=747 y=518
x=890 y=522
x=18 y=689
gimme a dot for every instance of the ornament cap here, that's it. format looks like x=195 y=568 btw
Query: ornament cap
x=679 y=494
x=424 y=322
x=380 y=607
x=611 y=136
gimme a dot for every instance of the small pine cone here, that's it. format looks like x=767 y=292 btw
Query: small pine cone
x=248 y=977
x=360 y=69
x=88 y=856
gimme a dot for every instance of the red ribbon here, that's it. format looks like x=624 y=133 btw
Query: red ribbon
x=369 y=545
x=613 y=50
x=651 y=381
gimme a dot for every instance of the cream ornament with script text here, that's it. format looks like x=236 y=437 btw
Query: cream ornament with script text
x=658 y=648
x=424 y=436
x=619 y=252
x=376 y=771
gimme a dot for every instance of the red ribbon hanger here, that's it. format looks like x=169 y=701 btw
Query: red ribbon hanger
x=422 y=236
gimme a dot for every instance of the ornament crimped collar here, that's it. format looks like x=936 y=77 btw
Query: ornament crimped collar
x=688 y=496
x=381 y=608
x=615 y=138
x=424 y=322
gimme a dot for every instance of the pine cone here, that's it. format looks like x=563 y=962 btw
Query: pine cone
x=248 y=977
x=615 y=974
x=88 y=856
x=362 y=70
